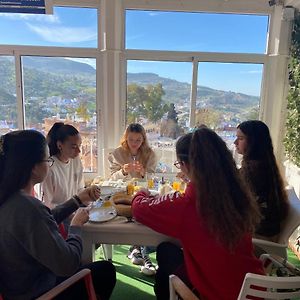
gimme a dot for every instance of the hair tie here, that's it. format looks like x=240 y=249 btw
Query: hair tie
x=2 y=145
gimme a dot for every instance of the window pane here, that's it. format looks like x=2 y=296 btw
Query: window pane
x=183 y=31
x=62 y=90
x=72 y=27
x=8 y=100
x=228 y=94
x=158 y=95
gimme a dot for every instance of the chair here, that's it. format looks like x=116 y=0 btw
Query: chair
x=178 y=288
x=288 y=226
x=269 y=287
x=84 y=274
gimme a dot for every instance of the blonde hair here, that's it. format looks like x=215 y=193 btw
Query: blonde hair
x=144 y=151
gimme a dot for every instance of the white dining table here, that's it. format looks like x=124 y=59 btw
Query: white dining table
x=118 y=233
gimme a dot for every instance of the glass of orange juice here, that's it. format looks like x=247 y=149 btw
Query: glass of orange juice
x=176 y=185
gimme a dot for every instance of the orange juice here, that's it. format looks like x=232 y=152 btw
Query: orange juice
x=106 y=203
x=150 y=183
x=130 y=189
x=176 y=185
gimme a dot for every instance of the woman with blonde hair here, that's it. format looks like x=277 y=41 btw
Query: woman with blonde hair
x=134 y=157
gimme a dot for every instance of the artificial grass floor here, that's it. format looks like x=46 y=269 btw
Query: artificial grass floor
x=131 y=283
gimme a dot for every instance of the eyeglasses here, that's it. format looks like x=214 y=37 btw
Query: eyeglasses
x=178 y=164
x=50 y=161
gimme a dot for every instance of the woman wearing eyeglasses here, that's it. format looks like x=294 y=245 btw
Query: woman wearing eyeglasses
x=34 y=257
x=213 y=220
x=65 y=177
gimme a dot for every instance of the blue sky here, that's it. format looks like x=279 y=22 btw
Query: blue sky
x=154 y=30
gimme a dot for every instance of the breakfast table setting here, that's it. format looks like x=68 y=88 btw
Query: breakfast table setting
x=111 y=222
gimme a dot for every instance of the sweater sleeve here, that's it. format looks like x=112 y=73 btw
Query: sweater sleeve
x=152 y=162
x=41 y=240
x=80 y=179
x=115 y=168
x=62 y=211
x=161 y=213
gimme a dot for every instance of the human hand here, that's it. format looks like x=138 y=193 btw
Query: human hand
x=139 y=168
x=89 y=194
x=183 y=177
x=95 y=191
x=143 y=190
x=81 y=217
x=127 y=168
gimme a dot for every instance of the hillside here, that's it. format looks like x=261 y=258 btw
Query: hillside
x=44 y=77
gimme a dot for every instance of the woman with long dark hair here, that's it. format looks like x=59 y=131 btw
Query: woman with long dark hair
x=261 y=174
x=34 y=257
x=213 y=220
x=65 y=177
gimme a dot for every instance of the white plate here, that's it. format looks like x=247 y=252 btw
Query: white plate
x=109 y=190
x=102 y=214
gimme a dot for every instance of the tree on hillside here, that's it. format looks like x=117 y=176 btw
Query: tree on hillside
x=209 y=117
x=83 y=112
x=145 y=102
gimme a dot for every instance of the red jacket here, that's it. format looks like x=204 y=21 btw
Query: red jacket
x=215 y=272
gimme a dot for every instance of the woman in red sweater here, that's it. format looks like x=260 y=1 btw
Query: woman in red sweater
x=213 y=220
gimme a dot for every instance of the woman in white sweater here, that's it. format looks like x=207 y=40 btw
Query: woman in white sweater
x=65 y=177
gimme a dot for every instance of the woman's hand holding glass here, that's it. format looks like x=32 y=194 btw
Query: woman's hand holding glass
x=135 y=166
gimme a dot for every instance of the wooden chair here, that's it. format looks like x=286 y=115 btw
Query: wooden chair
x=269 y=287
x=84 y=274
x=288 y=226
x=179 y=290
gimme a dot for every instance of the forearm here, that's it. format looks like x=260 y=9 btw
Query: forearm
x=61 y=212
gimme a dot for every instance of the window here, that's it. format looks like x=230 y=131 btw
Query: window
x=8 y=100
x=62 y=90
x=187 y=31
x=227 y=94
x=158 y=97
x=72 y=27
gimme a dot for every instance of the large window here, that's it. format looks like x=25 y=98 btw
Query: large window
x=62 y=90
x=8 y=100
x=227 y=94
x=72 y=27
x=158 y=96
x=183 y=31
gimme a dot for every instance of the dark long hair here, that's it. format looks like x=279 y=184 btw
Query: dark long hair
x=260 y=149
x=145 y=150
x=223 y=202
x=59 y=132
x=20 y=151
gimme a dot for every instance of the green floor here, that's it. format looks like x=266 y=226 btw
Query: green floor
x=132 y=284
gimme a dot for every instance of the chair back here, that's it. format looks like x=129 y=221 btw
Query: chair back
x=288 y=226
x=269 y=287
x=84 y=274
x=292 y=221
x=179 y=290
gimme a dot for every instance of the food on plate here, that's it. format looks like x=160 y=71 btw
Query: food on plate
x=122 y=202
